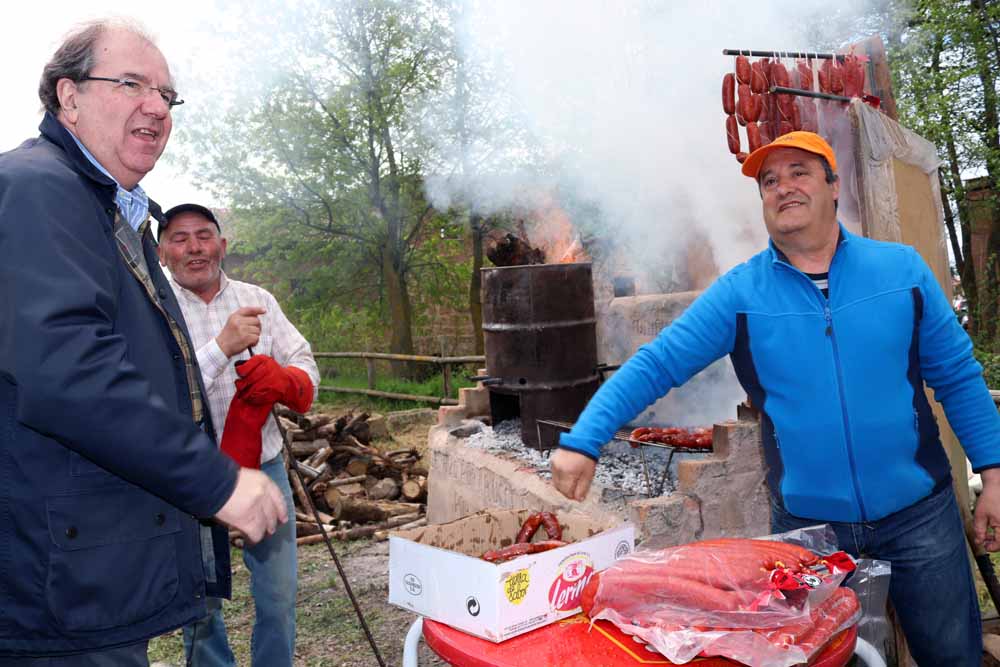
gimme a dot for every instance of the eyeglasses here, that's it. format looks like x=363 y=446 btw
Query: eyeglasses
x=135 y=88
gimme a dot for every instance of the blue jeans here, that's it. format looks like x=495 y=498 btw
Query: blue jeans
x=931 y=586
x=273 y=567
x=133 y=655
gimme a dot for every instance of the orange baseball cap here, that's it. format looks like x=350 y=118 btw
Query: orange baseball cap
x=807 y=141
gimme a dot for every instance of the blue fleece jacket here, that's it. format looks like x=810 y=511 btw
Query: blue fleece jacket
x=847 y=430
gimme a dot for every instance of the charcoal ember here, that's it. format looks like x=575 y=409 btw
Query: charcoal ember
x=618 y=468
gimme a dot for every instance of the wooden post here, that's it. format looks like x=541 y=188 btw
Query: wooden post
x=370 y=367
x=446 y=376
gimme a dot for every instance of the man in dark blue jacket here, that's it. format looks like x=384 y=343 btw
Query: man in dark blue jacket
x=833 y=336
x=107 y=456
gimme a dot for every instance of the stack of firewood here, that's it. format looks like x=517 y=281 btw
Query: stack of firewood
x=357 y=489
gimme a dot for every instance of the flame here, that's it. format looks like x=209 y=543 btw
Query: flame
x=553 y=232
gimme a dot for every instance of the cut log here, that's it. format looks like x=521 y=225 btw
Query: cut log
x=302 y=449
x=414 y=489
x=395 y=507
x=334 y=501
x=382 y=535
x=314 y=421
x=323 y=516
x=358 y=466
x=384 y=489
x=353 y=489
x=300 y=492
x=400 y=520
x=307 y=471
x=511 y=250
x=348 y=534
x=303 y=528
x=358 y=510
x=344 y=481
x=320 y=456
x=418 y=470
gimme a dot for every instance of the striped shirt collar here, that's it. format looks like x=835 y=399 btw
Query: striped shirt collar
x=134 y=205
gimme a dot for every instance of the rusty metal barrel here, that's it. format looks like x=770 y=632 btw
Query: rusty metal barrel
x=540 y=335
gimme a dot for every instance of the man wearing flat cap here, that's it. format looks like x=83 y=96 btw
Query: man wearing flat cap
x=251 y=357
x=833 y=335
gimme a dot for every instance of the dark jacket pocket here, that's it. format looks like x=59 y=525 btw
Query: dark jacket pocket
x=113 y=560
x=80 y=466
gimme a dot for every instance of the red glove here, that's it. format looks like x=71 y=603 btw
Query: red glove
x=241 y=436
x=263 y=381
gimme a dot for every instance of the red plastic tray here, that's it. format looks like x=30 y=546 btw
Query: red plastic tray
x=572 y=642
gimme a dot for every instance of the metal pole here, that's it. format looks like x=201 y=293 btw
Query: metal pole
x=809 y=93
x=781 y=54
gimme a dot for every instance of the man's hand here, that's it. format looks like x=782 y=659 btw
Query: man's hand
x=572 y=473
x=256 y=506
x=987 y=521
x=242 y=330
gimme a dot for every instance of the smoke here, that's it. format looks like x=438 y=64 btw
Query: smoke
x=621 y=104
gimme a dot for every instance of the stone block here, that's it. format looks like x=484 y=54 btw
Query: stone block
x=698 y=476
x=741 y=441
x=666 y=521
x=450 y=415
x=476 y=400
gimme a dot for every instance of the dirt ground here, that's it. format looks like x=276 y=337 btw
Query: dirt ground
x=328 y=631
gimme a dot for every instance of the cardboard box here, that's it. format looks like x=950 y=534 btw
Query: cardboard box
x=436 y=571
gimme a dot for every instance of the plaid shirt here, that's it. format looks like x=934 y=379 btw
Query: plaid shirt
x=130 y=248
x=278 y=339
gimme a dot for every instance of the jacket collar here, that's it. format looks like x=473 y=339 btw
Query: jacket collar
x=778 y=256
x=54 y=131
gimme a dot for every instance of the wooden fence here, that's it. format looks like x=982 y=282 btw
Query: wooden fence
x=445 y=364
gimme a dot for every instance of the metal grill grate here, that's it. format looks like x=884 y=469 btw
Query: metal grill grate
x=624 y=435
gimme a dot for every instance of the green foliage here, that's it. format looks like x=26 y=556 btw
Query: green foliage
x=322 y=167
x=991 y=367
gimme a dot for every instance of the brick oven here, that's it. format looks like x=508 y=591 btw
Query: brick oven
x=719 y=494
x=539 y=322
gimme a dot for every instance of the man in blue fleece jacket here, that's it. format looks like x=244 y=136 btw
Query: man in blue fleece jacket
x=833 y=336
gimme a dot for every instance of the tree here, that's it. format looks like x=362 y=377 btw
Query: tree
x=473 y=136
x=945 y=60
x=946 y=69
x=326 y=154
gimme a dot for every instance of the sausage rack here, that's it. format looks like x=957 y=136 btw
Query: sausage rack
x=625 y=435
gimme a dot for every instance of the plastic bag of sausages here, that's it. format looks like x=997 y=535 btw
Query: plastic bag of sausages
x=762 y=602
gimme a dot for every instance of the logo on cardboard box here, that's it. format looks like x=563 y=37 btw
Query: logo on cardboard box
x=574 y=573
x=412 y=584
x=515 y=587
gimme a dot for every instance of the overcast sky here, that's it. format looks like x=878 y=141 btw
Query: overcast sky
x=31 y=31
